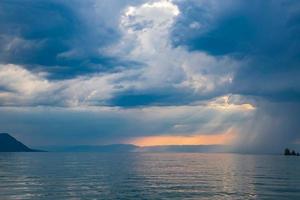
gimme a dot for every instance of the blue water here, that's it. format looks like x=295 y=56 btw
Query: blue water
x=147 y=176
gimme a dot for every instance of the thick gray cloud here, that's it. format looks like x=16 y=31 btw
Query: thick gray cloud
x=264 y=35
x=62 y=38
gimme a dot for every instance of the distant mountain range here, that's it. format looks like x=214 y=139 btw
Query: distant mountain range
x=119 y=148
x=10 y=144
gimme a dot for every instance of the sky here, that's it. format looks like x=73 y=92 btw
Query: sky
x=161 y=72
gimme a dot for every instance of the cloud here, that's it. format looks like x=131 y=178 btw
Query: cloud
x=106 y=71
x=20 y=87
x=179 y=53
x=166 y=70
x=263 y=37
x=60 y=37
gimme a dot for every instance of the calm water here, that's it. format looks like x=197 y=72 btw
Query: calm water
x=147 y=176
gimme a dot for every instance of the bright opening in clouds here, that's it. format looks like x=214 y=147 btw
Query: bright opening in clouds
x=155 y=72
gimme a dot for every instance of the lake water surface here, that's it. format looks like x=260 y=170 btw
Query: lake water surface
x=56 y=176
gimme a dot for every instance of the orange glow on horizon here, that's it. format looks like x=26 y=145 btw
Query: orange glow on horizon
x=216 y=139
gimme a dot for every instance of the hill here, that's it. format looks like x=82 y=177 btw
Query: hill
x=10 y=144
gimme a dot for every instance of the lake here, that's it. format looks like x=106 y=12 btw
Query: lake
x=57 y=176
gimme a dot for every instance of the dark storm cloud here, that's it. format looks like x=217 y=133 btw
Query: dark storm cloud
x=63 y=38
x=263 y=34
x=158 y=97
x=216 y=28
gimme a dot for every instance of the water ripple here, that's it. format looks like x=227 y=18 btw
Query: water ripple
x=147 y=176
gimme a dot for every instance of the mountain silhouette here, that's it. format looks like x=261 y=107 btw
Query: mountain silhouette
x=10 y=144
x=111 y=148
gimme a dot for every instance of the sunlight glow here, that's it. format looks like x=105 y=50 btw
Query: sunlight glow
x=223 y=103
x=199 y=139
